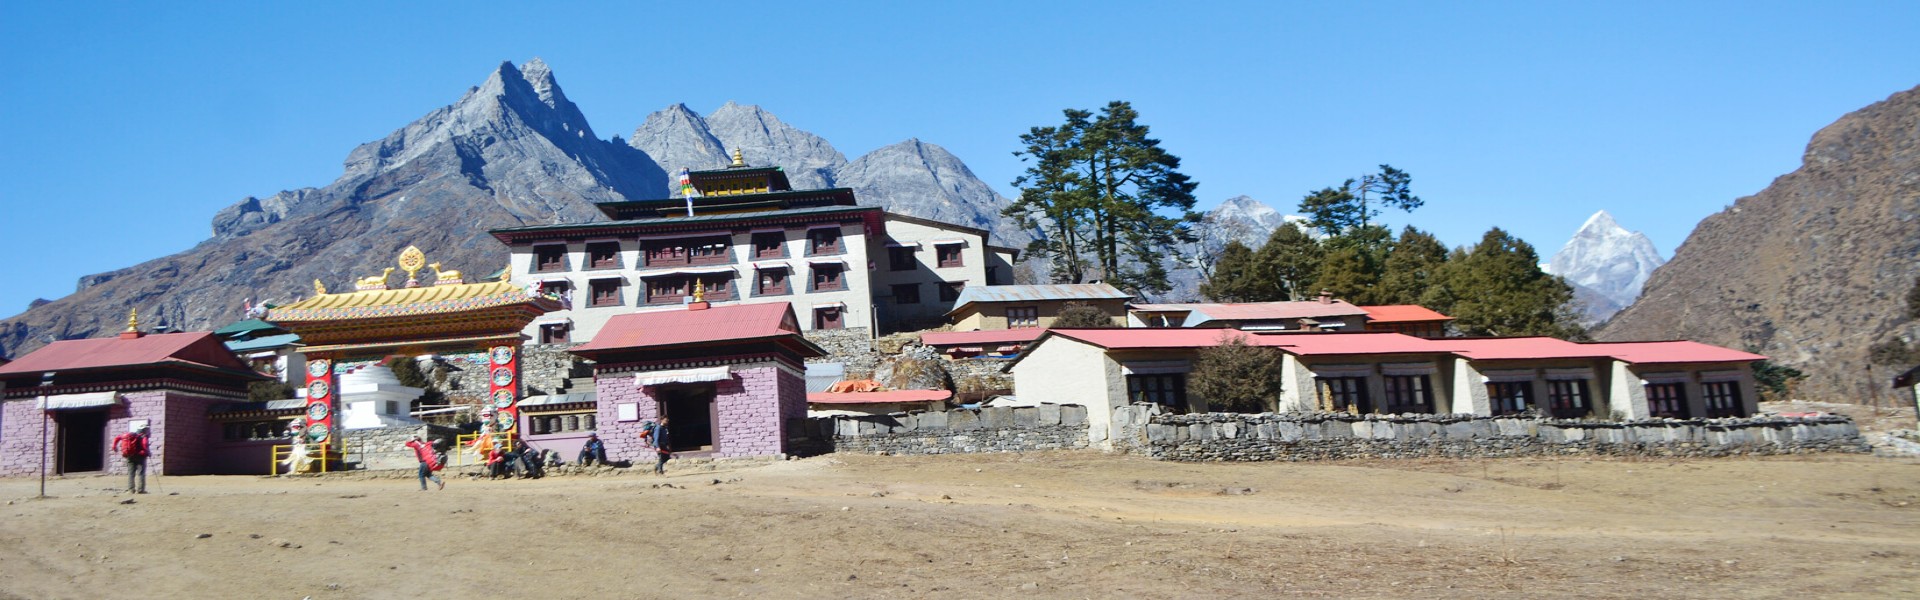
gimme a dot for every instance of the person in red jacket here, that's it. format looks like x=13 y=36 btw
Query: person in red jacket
x=132 y=446
x=429 y=462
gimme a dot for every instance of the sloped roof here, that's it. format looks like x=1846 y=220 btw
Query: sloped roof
x=243 y=327
x=1142 y=338
x=1328 y=344
x=1403 y=313
x=1201 y=312
x=423 y=300
x=199 y=348
x=1669 y=352
x=878 y=397
x=1035 y=293
x=1520 y=348
x=680 y=326
x=974 y=338
x=263 y=343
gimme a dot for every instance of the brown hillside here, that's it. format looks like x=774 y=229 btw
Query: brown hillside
x=1811 y=270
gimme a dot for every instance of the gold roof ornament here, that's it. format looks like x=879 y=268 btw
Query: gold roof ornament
x=699 y=290
x=738 y=160
x=133 y=319
x=319 y=288
x=412 y=260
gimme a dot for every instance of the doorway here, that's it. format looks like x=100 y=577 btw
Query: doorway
x=690 y=417
x=81 y=445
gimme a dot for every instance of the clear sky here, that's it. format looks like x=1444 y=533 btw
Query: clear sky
x=126 y=127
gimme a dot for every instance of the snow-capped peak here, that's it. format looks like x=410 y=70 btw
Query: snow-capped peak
x=1607 y=259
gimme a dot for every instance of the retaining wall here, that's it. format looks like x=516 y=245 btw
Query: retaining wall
x=1293 y=437
x=962 y=430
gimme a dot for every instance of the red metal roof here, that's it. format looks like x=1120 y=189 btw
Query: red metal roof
x=1521 y=348
x=1678 y=351
x=1403 y=313
x=1152 y=337
x=200 y=348
x=878 y=397
x=1259 y=311
x=683 y=326
x=1321 y=344
x=990 y=336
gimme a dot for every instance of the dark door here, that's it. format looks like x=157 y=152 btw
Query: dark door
x=690 y=418
x=82 y=443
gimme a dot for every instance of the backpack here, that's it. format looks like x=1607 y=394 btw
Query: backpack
x=439 y=461
x=130 y=445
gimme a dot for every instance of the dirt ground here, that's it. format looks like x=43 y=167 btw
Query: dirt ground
x=1071 y=525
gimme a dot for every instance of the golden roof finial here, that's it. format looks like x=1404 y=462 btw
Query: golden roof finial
x=738 y=161
x=133 y=319
x=699 y=291
x=411 y=261
x=318 y=288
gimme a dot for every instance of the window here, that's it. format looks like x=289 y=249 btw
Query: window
x=558 y=290
x=828 y=318
x=823 y=241
x=949 y=255
x=950 y=292
x=549 y=258
x=993 y=275
x=1567 y=398
x=606 y=292
x=1510 y=397
x=906 y=293
x=1667 y=400
x=1023 y=317
x=556 y=333
x=667 y=290
x=770 y=244
x=900 y=258
x=1409 y=394
x=716 y=288
x=1344 y=394
x=773 y=282
x=1723 y=399
x=603 y=255
x=826 y=278
x=1169 y=390
x=689 y=251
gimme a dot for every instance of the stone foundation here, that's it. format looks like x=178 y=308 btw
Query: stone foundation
x=992 y=429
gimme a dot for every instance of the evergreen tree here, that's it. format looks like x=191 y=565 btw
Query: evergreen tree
x=1237 y=277
x=1410 y=268
x=1236 y=376
x=1348 y=273
x=1112 y=199
x=1355 y=203
x=1288 y=263
x=1497 y=288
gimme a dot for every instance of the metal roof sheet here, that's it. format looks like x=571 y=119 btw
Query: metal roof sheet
x=198 y=347
x=989 y=336
x=1676 y=351
x=677 y=326
x=878 y=397
x=1403 y=313
x=272 y=341
x=1256 y=311
x=1033 y=293
x=1519 y=348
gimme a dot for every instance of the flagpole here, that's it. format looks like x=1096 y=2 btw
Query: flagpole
x=46 y=380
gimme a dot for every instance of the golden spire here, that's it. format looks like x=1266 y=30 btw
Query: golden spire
x=738 y=161
x=700 y=289
x=133 y=319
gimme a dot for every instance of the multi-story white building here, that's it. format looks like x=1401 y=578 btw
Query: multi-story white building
x=748 y=237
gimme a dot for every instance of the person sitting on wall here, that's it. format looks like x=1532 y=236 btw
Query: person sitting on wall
x=530 y=460
x=593 y=450
x=497 y=461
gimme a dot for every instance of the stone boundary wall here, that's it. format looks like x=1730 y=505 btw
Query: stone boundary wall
x=1290 y=437
x=980 y=373
x=382 y=448
x=961 y=430
x=853 y=346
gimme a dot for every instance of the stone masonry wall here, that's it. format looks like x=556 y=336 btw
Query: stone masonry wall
x=545 y=368
x=963 y=430
x=979 y=374
x=1289 y=437
x=750 y=405
x=381 y=448
x=853 y=346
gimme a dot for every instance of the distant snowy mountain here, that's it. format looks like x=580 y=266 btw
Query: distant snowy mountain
x=1607 y=265
x=1237 y=219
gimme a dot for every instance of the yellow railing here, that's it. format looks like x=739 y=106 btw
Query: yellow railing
x=323 y=453
x=464 y=443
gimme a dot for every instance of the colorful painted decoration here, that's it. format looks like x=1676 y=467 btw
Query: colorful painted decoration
x=318 y=432
x=503 y=377
x=318 y=411
x=318 y=368
x=504 y=421
x=502 y=355
x=502 y=398
x=317 y=390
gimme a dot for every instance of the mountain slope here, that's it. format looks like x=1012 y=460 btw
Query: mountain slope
x=924 y=180
x=511 y=151
x=1811 y=270
x=1608 y=262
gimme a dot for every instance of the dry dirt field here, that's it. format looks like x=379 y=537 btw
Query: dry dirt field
x=1070 y=525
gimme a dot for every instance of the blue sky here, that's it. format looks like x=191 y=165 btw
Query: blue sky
x=127 y=127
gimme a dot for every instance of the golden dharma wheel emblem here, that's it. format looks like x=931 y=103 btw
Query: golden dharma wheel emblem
x=412 y=260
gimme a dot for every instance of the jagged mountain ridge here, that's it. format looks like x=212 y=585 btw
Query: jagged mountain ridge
x=512 y=151
x=1607 y=264
x=1811 y=270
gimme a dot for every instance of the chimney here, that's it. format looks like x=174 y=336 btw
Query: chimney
x=1326 y=297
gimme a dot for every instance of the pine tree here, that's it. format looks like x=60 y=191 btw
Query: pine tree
x=1113 y=201
x=1497 y=288
x=1348 y=273
x=1289 y=261
x=1411 y=267
x=1237 y=277
x=1354 y=203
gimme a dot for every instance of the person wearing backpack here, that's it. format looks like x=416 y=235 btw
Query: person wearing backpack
x=133 y=447
x=657 y=436
x=430 y=461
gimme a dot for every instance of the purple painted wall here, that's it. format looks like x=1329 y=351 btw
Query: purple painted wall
x=753 y=407
x=182 y=435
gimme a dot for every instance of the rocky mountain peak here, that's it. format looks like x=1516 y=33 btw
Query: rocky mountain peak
x=676 y=138
x=762 y=138
x=1607 y=264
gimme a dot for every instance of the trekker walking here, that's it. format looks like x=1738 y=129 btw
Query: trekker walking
x=429 y=462
x=133 y=446
x=662 y=444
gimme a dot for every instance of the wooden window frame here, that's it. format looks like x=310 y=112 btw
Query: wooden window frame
x=1029 y=317
x=897 y=262
x=687 y=251
x=813 y=241
x=565 y=336
x=1343 y=394
x=594 y=296
x=760 y=287
x=1722 y=399
x=1502 y=398
x=779 y=248
x=541 y=253
x=911 y=295
x=1405 y=392
x=1668 y=400
x=684 y=289
x=611 y=260
x=839 y=321
x=1569 y=398
x=1168 y=390
x=839 y=272
x=959 y=258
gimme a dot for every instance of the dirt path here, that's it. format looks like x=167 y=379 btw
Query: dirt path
x=1048 y=525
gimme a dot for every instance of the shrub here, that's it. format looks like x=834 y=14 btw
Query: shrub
x=1237 y=377
x=1081 y=314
